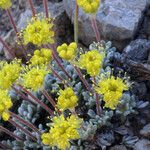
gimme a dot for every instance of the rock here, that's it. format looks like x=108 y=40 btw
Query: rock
x=142 y=145
x=6 y=31
x=138 y=50
x=1 y=49
x=24 y=18
x=146 y=131
x=118 y=147
x=17 y=8
x=117 y=20
x=57 y=12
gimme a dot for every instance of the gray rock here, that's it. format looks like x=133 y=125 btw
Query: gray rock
x=118 y=147
x=117 y=20
x=24 y=18
x=146 y=131
x=138 y=50
x=142 y=145
x=1 y=49
x=55 y=9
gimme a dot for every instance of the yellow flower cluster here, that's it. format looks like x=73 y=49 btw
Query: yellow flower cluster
x=62 y=131
x=67 y=99
x=41 y=57
x=5 y=104
x=67 y=52
x=89 y=6
x=92 y=62
x=5 y=4
x=112 y=89
x=39 y=32
x=34 y=78
x=9 y=73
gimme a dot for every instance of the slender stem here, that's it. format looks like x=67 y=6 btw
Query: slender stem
x=46 y=8
x=98 y=105
x=28 y=124
x=60 y=65
x=23 y=95
x=32 y=8
x=86 y=84
x=50 y=100
x=57 y=59
x=10 y=133
x=16 y=31
x=28 y=133
x=5 y=147
x=37 y=100
x=7 y=47
x=58 y=76
x=76 y=23
x=95 y=28
x=12 y=21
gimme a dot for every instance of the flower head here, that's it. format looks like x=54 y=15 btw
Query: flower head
x=92 y=62
x=67 y=52
x=5 y=4
x=62 y=131
x=33 y=78
x=9 y=73
x=41 y=57
x=5 y=104
x=38 y=32
x=112 y=89
x=67 y=99
x=89 y=6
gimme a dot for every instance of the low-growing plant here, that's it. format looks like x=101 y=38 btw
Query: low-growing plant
x=65 y=95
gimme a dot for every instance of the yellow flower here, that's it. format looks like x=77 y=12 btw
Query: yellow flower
x=89 y=6
x=33 y=78
x=67 y=52
x=112 y=89
x=62 y=131
x=67 y=99
x=5 y=104
x=9 y=73
x=92 y=62
x=38 y=32
x=5 y=4
x=41 y=57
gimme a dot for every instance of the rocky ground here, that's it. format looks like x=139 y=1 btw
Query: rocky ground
x=124 y=22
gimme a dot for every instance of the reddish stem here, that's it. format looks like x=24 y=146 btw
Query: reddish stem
x=37 y=100
x=31 y=126
x=10 y=133
x=5 y=147
x=46 y=8
x=98 y=105
x=58 y=76
x=28 y=133
x=60 y=65
x=50 y=100
x=12 y=21
x=86 y=84
x=57 y=59
x=16 y=31
x=23 y=95
x=95 y=28
x=32 y=8
x=7 y=47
